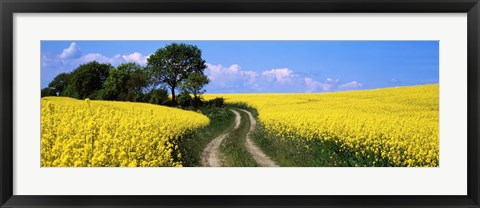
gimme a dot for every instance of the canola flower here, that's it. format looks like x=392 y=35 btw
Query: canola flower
x=398 y=124
x=86 y=133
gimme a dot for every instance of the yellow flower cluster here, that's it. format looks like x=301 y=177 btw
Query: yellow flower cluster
x=85 y=133
x=397 y=124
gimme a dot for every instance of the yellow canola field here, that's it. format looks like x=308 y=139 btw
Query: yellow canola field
x=398 y=124
x=84 y=133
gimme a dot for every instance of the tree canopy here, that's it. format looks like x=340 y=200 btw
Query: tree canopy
x=194 y=85
x=125 y=83
x=177 y=66
x=87 y=80
x=59 y=84
x=174 y=63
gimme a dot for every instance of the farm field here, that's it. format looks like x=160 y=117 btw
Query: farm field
x=85 y=133
x=230 y=103
x=381 y=127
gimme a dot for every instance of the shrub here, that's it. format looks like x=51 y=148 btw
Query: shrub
x=216 y=102
x=185 y=100
x=157 y=96
x=48 y=92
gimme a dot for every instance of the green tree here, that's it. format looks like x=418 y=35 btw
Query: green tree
x=87 y=79
x=174 y=63
x=185 y=99
x=194 y=85
x=48 y=92
x=157 y=96
x=126 y=83
x=137 y=83
x=59 y=84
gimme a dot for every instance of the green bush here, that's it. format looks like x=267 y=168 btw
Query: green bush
x=157 y=96
x=48 y=92
x=185 y=100
x=218 y=102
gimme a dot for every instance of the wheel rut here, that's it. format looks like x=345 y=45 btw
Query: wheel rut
x=211 y=156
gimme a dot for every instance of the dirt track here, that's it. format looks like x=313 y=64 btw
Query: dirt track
x=210 y=155
x=257 y=154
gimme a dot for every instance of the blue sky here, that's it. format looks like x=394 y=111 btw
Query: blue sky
x=270 y=66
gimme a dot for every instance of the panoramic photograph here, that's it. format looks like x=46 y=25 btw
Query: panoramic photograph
x=239 y=103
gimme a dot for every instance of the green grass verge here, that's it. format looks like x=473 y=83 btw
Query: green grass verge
x=233 y=151
x=293 y=153
x=300 y=152
x=192 y=145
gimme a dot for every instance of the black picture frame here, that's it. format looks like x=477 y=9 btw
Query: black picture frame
x=9 y=7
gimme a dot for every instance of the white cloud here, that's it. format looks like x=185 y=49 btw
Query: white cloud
x=350 y=86
x=136 y=57
x=281 y=76
x=73 y=51
x=115 y=60
x=314 y=86
x=218 y=71
x=48 y=61
x=72 y=56
x=230 y=78
x=234 y=79
x=94 y=57
x=311 y=84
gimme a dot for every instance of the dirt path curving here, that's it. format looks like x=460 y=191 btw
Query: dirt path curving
x=257 y=154
x=210 y=157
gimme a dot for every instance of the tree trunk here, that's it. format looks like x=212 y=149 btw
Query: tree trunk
x=173 y=94
x=195 y=100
